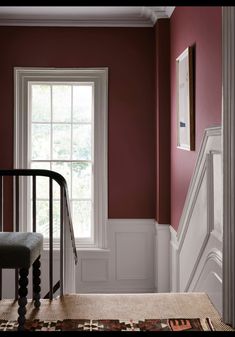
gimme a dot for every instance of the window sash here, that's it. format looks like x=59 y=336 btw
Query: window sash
x=99 y=76
x=51 y=122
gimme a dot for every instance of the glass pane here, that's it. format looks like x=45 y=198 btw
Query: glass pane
x=61 y=141
x=81 y=187
x=42 y=183
x=61 y=103
x=42 y=186
x=82 y=142
x=40 y=165
x=41 y=141
x=56 y=219
x=82 y=103
x=41 y=103
x=65 y=170
x=42 y=225
x=43 y=217
x=82 y=218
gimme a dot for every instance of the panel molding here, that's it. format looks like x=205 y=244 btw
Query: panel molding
x=90 y=272
x=211 y=141
x=214 y=255
x=199 y=240
x=130 y=238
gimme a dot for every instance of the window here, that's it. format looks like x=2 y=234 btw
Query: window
x=61 y=125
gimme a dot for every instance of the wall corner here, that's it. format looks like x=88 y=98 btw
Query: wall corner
x=162 y=258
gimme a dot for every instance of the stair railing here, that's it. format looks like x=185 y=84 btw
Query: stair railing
x=67 y=246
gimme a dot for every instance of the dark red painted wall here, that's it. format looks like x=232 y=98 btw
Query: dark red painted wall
x=129 y=54
x=162 y=87
x=200 y=27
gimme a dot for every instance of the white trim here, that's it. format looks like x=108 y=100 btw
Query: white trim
x=142 y=16
x=127 y=266
x=174 y=261
x=169 y=10
x=228 y=122
x=76 y=23
x=200 y=229
x=162 y=258
x=214 y=255
x=199 y=167
x=100 y=77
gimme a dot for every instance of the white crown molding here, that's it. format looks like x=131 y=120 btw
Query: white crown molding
x=83 y=16
x=169 y=10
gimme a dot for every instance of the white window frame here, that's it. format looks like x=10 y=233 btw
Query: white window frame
x=99 y=76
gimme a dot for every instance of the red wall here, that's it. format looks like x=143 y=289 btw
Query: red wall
x=200 y=27
x=162 y=93
x=129 y=54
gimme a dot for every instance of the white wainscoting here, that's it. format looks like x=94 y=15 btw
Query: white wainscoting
x=196 y=249
x=162 y=258
x=127 y=266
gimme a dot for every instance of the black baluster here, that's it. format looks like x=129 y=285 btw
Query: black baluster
x=22 y=301
x=36 y=282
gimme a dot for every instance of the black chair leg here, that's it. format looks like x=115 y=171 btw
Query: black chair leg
x=22 y=301
x=36 y=282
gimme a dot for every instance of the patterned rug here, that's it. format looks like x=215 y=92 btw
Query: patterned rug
x=179 y=324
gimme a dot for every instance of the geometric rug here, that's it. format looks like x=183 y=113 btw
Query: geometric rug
x=172 y=324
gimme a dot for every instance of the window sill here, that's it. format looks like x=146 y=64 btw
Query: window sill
x=98 y=250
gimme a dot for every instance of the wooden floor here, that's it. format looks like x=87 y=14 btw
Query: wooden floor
x=119 y=306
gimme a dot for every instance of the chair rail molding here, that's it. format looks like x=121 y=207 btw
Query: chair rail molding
x=228 y=118
x=196 y=249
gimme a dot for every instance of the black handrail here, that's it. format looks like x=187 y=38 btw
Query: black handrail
x=64 y=202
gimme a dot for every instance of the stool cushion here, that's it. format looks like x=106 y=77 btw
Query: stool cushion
x=19 y=249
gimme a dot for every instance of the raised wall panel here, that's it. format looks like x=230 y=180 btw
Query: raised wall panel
x=209 y=279
x=94 y=270
x=196 y=236
x=196 y=249
x=126 y=266
x=131 y=258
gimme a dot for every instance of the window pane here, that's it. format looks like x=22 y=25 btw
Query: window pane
x=81 y=187
x=41 y=103
x=42 y=225
x=65 y=170
x=56 y=219
x=82 y=218
x=82 y=142
x=41 y=141
x=42 y=187
x=42 y=183
x=82 y=103
x=43 y=217
x=40 y=165
x=61 y=103
x=61 y=141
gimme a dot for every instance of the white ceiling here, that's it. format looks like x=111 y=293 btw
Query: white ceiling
x=82 y=16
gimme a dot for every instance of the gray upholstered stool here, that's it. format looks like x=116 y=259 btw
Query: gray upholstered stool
x=21 y=251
